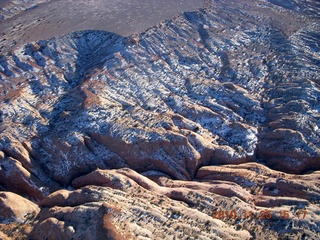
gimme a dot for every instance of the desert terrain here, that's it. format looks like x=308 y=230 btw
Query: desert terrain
x=160 y=120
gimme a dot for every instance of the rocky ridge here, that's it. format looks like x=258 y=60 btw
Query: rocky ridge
x=227 y=96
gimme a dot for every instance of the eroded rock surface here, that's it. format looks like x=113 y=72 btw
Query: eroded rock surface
x=122 y=204
x=16 y=216
x=214 y=109
x=15 y=208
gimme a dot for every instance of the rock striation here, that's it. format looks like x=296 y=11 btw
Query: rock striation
x=122 y=204
x=150 y=134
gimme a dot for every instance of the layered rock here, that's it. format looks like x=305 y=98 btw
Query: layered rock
x=182 y=98
x=119 y=204
x=234 y=84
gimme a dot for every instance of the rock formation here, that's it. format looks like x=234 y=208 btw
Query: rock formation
x=204 y=126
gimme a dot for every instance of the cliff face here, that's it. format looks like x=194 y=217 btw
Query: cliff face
x=234 y=83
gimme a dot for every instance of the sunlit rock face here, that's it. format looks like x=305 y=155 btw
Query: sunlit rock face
x=233 y=83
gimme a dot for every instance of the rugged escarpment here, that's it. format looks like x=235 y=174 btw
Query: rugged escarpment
x=226 y=96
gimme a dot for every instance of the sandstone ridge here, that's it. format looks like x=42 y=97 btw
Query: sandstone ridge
x=150 y=134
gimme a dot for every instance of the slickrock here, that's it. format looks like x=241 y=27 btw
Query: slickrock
x=262 y=181
x=156 y=131
x=140 y=208
x=16 y=216
x=16 y=208
x=4 y=236
x=134 y=214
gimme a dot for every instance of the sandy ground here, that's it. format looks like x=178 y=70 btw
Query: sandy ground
x=56 y=18
x=3 y=3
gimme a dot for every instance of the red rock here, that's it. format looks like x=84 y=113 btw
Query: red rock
x=151 y=136
x=17 y=179
x=4 y=236
x=15 y=208
x=52 y=229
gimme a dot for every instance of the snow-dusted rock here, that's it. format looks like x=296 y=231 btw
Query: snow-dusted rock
x=233 y=83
